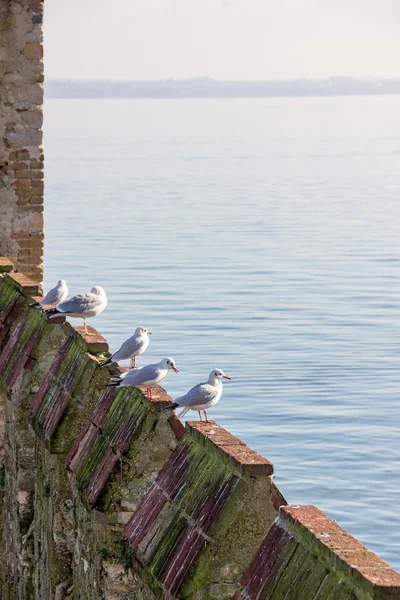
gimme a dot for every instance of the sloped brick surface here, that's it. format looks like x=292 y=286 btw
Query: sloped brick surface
x=306 y=556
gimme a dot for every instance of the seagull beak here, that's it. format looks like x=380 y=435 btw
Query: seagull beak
x=175 y=369
x=148 y=332
x=226 y=377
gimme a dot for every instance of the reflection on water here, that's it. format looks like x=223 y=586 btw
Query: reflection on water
x=261 y=237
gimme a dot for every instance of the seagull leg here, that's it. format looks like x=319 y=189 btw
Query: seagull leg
x=205 y=414
x=133 y=362
x=86 y=329
x=200 y=415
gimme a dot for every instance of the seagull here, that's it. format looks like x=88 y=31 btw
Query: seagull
x=131 y=348
x=82 y=306
x=149 y=375
x=54 y=296
x=201 y=396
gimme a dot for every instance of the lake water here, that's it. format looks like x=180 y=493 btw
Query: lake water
x=260 y=236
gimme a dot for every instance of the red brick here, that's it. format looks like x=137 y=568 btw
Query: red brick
x=20 y=235
x=24 y=183
x=18 y=165
x=95 y=341
x=244 y=457
x=25 y=284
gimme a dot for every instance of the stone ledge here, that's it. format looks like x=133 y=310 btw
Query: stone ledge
x=23 y=284
x=248 y=460
x=341 y=545
x=6 y=266
x=95 y=342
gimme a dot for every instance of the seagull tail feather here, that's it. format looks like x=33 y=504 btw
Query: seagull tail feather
x=173 y=405
x=51 y=311
x=113 y=384
x=106 y=362
x=34 y=305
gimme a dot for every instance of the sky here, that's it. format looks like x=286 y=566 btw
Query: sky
x=222 y=39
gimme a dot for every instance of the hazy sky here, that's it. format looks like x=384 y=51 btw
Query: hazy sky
x=225 y=39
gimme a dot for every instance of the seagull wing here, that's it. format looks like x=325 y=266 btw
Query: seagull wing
x=141 y=376
x=200 y=395
x=51 y=297
x=79 y=304
x=128 y=349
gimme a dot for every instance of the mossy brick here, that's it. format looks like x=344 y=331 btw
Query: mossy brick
x=22 y=283
x=6 y=266
x=122 y=420
x=244 y=458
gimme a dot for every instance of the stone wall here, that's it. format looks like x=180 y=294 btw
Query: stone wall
x=21 y=138
x=105 y=497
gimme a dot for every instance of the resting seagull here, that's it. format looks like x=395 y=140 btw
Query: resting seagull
x=131 y=348
x=148 y=376
x=202 y=396
x=82 y=306
x=54 y=296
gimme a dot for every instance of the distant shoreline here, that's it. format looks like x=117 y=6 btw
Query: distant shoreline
x=205 y=87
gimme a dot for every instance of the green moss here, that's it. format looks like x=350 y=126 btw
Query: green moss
x=8 y=296
x=126 y=406
x=73 y=365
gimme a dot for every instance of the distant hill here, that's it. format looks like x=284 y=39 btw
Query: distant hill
x=205 y=87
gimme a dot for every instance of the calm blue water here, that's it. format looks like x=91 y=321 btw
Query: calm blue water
x=262 y=237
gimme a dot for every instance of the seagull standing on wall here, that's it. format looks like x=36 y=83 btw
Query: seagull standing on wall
x=131 y=348
x=202 y=396
x=82 y=306
x=54 y=296
x=148 y=376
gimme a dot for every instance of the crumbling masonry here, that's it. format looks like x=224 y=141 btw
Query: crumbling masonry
x=21 y=152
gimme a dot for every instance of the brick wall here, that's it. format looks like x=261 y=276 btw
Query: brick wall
x=21 y=138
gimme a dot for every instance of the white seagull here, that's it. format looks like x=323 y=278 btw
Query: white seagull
x=54 y=296
x=131 y=348
x=82 y=306
x=148 y=376
x=202 y=396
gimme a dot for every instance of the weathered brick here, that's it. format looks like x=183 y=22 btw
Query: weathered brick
x=24 y=191
x=5 y=265
x=17 y=165
x=23 y=201
x=36 y=200
x=20 y=235
x=33 y=50
x=36 y=251
x=22 y=174
x=36 y=164
x=23 y=155
x=21 y=183
x=37 y=183
x=26 y=260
